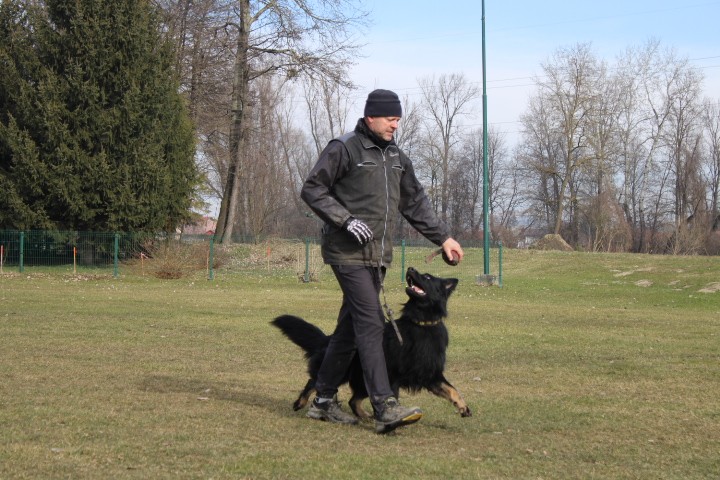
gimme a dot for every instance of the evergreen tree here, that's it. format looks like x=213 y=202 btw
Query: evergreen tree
x=93 y=132
x=21 y=182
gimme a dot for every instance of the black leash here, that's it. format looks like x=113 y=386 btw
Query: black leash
x=389 y=315
x=389 y=312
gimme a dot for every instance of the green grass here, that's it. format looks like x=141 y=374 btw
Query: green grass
x=581 y=366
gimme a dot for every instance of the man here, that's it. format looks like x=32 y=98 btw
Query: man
x=360 y=183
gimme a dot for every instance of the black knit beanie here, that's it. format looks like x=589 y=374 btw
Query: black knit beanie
x=383 y=103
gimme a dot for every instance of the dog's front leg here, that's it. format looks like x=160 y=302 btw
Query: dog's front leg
x=357 y=408
x=450 y=393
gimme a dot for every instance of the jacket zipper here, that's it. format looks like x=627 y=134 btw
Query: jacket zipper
x=387 y=208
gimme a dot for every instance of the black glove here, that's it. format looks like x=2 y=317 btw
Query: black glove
x=359 y=230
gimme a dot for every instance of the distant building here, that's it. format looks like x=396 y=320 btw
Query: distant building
x=529 y=237
x=203 y=226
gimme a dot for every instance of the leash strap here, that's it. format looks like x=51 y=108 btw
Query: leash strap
x=389 y=316
x=381 y=281
x=434 y=254
x=389 y=312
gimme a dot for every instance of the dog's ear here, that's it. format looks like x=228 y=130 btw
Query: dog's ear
x=450 y=284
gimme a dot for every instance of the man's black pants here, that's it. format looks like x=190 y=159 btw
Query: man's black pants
x=360 y=328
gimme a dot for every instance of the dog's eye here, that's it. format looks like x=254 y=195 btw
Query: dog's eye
x=426 y=276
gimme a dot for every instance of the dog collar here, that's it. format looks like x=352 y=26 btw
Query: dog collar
x=427 y=323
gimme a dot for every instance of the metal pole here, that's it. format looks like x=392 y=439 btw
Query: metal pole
x=306 y=278
x=211 y=258
x=500 y=262
x=115 y=259
x=486 y=183
x=402 y=263
x=22 y=252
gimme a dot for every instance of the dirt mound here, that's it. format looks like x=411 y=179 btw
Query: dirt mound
x=552 y=242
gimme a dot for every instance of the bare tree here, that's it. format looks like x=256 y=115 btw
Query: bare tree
x=644 y=118
x=467 y=197
x=408 y=133
x=538 y=154
x=445 y=101
x=595 y=144
x=327 y=105
x=659 y=93
x=684 y=140
x=412 y=137
x=467 y=200
x=298 y=154
x=280 y=37
x=264 y=179
x=570 y=87
x=323 y=118
x=603 y=220
x=711 y=120
x=408 y=137
x=204 y=65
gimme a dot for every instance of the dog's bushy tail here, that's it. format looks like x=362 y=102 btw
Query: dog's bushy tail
x=303 y=334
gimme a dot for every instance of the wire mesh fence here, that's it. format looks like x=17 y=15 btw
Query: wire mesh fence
x=89 y=251
x=177 y=255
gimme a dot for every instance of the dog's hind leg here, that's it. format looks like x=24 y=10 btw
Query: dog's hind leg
x=357 y=387
x=302 y=400
x=444 y=390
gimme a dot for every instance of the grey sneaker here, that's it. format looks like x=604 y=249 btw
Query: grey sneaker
x=391 y=416
x=330 y=411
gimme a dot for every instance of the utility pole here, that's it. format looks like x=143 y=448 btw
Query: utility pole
x=486 y=182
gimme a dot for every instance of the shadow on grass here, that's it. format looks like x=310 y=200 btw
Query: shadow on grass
x=250 y=395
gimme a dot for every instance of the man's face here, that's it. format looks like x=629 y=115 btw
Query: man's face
x=383 y=127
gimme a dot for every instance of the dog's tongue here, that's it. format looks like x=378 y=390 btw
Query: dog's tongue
x=418 y=290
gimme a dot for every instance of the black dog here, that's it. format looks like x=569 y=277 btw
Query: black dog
x=415 y=365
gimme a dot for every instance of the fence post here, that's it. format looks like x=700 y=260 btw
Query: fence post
x=211 y=275
x=22 y=252
x=402 y=262
x=500 y=262
x=115 y=262
x=306 y=278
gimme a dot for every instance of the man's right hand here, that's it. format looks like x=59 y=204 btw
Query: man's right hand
x=452 y=252
x=359 y=230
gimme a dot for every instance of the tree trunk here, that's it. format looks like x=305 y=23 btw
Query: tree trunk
x=229 y=205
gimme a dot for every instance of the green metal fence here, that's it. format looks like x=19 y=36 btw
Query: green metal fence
x=85 y=250
x=403 y=259
x=174 y=255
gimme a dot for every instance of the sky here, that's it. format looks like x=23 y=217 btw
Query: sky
x=412 y=39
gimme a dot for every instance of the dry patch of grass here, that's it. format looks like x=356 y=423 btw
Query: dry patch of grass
x=711 y=288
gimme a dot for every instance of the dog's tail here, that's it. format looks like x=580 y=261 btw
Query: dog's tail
x=303 y=334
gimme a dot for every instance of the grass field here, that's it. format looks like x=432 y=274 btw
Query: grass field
x=581 y=366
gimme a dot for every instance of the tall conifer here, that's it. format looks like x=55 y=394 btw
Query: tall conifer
x=93 y=132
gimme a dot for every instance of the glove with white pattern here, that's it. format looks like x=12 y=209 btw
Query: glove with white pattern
x=359 y=230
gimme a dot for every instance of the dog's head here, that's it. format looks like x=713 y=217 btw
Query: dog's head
x=428 y=295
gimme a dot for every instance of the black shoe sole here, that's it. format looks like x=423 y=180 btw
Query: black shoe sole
x=383 y=428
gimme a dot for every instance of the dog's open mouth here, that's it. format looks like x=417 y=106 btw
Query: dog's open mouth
x=415 y=288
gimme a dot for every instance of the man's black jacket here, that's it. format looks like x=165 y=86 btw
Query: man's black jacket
x=356 y=177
